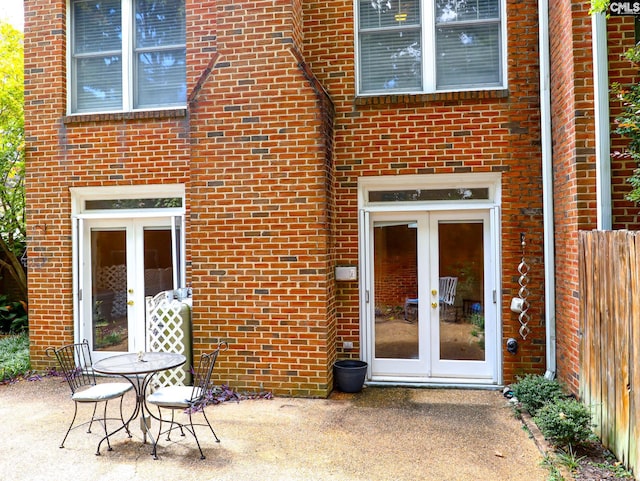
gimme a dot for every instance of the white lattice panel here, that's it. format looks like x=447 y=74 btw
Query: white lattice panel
x=169 y=331
x=114 y=279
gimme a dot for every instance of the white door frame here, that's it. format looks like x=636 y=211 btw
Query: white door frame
x=482 y=370
x=170 y=214
x=475 y=192
x=401 y=367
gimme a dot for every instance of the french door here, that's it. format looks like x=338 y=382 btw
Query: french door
x=122 y=261
x=430 y=296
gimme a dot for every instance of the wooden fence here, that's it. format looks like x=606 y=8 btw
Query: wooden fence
x=610 y=338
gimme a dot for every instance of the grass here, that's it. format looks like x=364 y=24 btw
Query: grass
x=569 y=459
x=14 y=356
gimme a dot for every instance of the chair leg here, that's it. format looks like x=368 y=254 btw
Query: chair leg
x=93 y=416
x=104 y=421
x=75 y=413
x=209 y=424
x=193 y=431
x=155 y=443
x=173 y=422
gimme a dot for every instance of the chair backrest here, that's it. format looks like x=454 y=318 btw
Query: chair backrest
x=202 y=384
x=75 y=362
x=448 y=290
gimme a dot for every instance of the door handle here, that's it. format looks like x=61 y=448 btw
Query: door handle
x=434 y=304
x=434 y=292
x=130 y=303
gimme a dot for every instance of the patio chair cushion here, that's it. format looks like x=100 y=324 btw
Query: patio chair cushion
x=102 y=392
x=174 y=396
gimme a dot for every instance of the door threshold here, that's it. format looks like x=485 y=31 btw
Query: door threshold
x=436 y=385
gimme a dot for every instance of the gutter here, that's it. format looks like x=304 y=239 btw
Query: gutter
x=601 y=114
x=547 y=189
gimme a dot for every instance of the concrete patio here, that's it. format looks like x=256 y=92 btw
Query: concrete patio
x=380 y=434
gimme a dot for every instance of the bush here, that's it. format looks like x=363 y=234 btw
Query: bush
x=13 y=316
x=14 y=356
x=534 y=391
x=564 y=422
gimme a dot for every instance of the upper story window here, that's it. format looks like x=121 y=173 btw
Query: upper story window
x=127 y=55
x=423 y=46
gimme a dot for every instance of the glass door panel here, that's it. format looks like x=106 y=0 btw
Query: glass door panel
x=430 y=284
x=109 y=320
x=461 y=287
x=125 y=260
x=462 y=270
x=399 y=322
x=158 y=260
x=396 y=290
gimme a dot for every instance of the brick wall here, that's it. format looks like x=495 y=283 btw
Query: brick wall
x=574 y=167
x=260 y=231
x=270 y=214
x=435 y=134
x=48 y=229
x=251 y=153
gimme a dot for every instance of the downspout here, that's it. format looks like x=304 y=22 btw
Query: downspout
x=547 y=189
x=601 y=111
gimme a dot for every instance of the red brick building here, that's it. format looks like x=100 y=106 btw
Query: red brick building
x=314 y=171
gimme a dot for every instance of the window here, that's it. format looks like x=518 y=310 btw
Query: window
x=127 y=55
x=421 y=46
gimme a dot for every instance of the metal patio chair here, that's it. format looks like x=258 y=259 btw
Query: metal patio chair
x=75 y=362
x=189 y=399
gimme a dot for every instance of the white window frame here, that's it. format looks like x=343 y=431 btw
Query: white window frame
x=428 y=38
x=128 y=63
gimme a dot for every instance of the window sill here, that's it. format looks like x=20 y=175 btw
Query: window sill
x=137 y=115
x=431 y=97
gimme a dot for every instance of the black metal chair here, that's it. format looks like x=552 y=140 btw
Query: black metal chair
x=75 y=362
x=189 y=399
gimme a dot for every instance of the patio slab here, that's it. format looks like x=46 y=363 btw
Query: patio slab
x=381 y=434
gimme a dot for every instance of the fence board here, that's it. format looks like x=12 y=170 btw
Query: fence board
x=634 y=356
x=609 y=320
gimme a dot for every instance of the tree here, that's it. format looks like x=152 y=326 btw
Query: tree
x=628 y=122
x=12 y=203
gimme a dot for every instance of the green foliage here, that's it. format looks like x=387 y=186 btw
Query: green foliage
x=13 y=316
x=14 y=356
x=554 y=473
x=12 y=166
x=569 y=459
x=628 y=125
x=617 y=469
x=564 y=422
x=534 y=391
x=478 y=321
x=599 y=6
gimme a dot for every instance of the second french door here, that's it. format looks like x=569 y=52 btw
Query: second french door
x=430 y=296
x=122 y=262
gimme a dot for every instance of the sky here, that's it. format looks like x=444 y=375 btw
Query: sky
x=12 y=11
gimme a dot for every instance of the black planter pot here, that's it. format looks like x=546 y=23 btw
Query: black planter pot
x=349 y=375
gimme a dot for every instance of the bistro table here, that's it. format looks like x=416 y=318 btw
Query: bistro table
x=138 y=369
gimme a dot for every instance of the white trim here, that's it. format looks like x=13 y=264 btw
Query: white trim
x=364 y=286
x=491 y=181
x=496 y=259
x=77 y=254
x=81 y=194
